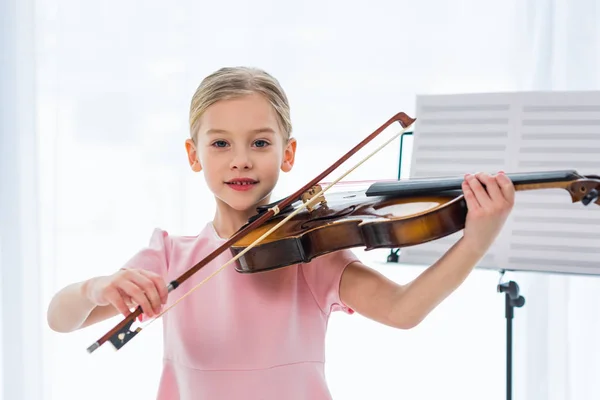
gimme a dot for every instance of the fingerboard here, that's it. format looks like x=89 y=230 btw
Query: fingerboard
x=434 y=185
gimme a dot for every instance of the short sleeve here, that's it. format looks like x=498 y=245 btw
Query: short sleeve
x=323 y=276
x=154 y=257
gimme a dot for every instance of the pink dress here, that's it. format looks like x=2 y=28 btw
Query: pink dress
x=243 y=336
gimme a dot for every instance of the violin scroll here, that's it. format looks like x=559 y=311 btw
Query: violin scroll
x=586 y=190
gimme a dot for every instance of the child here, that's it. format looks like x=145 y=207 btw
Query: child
x=262 y=336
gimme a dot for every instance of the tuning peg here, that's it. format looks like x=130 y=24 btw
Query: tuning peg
x=590 y=197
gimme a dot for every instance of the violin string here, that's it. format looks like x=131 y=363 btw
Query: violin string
x=291 y=215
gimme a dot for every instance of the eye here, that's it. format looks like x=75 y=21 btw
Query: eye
x=219 y=143
x=261 y=143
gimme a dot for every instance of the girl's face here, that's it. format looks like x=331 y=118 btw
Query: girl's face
x=241 y=149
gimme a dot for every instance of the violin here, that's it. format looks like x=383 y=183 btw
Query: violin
x=394 y=214
x=387 y=215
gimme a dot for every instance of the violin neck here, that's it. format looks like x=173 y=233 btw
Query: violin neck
x=543 y=180
x=522 y=181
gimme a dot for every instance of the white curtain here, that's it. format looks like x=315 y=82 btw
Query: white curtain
x=93 y=124
x=21 y=323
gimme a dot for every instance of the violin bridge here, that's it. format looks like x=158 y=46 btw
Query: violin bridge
x=310 y=194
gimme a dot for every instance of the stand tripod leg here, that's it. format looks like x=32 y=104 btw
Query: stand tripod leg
x=512 y=299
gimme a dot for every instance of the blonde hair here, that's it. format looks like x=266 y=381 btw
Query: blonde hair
x=230 y=82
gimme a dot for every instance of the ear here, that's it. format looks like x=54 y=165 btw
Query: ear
x=193 y=160
x=289 y=155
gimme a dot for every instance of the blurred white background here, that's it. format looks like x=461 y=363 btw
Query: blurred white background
x=94 y=102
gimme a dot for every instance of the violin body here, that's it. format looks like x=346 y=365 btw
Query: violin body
x=349 y=220
x=387 y=215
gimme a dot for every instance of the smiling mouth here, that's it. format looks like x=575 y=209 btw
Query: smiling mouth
x=241 y=182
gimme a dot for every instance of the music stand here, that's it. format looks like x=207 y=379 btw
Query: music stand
x=394 y=255
x=512 y=299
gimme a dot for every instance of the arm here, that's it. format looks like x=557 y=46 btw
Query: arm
x=405 y=306
x=70 y=309
x=85 y=303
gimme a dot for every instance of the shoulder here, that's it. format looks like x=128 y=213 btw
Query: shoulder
x=205 y=238
x=334 y=259
x=330 y=264
x=154 y=255
x=164 y=248
x=323 y=276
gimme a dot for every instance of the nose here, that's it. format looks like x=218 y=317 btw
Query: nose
x=241 y=160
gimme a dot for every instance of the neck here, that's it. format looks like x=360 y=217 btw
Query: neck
x=227 y=220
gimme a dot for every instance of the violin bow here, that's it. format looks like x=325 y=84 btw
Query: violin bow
x=121 y=333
